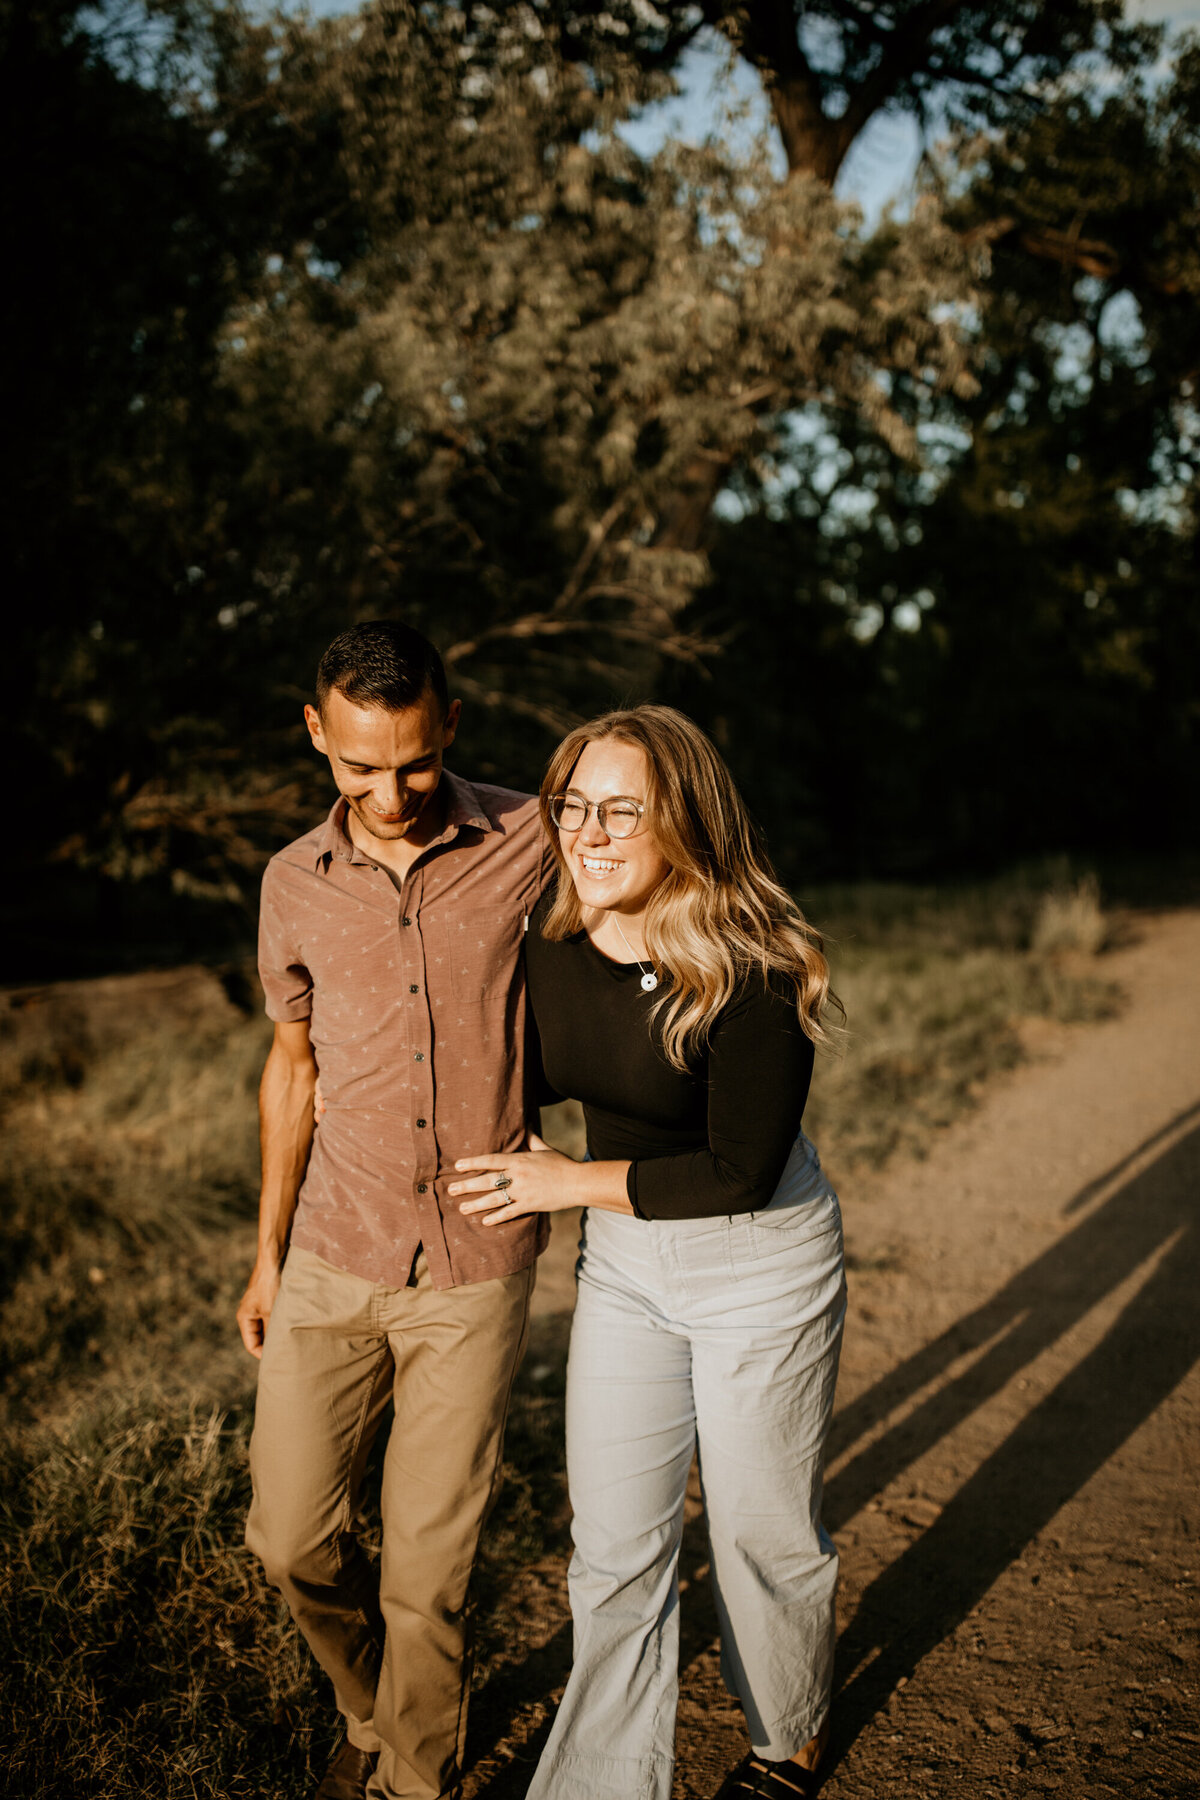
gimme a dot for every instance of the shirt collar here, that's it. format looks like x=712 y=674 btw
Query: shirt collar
x=463 y=807
x=332 y=840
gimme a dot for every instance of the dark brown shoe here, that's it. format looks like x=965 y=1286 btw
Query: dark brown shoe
x=347 y=1776
x=755 y=1779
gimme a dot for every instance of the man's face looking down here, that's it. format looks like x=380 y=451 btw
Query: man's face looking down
x=386 y=764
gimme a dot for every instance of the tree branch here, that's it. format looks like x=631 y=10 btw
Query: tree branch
x=905 y=49
x=553 y=718
x=768 y=39
x=595 y=539
x=1091 y=256
x=650 y=627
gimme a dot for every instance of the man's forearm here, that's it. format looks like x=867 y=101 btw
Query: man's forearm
x=285 y=1113
x=285 y=1110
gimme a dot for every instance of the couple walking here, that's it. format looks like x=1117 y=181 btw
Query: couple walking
x=413 y=947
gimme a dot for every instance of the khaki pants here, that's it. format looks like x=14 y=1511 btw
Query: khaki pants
x=392 y=1639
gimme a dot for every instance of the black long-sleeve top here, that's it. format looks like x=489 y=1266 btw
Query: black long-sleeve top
x=711 y=1141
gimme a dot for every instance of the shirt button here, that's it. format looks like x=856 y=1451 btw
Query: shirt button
x=414 y=989
x=420 y=1056
x=420 y=1124
x=406 y=920
x=422 y=1187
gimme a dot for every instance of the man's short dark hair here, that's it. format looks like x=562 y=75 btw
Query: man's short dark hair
x=382 y=663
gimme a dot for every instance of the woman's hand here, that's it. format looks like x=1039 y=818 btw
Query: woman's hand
x=538 y=1179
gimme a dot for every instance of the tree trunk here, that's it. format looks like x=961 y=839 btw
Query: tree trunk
x=814 y=145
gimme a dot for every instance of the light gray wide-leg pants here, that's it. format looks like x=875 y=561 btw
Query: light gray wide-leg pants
x=726 y=1332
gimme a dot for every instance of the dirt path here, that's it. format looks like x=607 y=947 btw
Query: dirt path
x=1014 y=1461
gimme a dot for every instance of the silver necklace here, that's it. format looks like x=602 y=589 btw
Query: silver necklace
x=649 y=978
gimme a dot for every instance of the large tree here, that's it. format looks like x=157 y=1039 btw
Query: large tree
x=126 y=247
x=382 y=312
x=1009 y=626
x=829 y=70
x=517 y=341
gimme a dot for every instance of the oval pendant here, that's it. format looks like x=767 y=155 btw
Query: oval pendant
x=649 y=983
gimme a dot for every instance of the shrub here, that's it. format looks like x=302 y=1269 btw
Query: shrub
x=1070 y=918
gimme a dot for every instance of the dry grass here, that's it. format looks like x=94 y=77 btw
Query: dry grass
x=129 y=1179
x=143 y=1653
x=145 y=1656
x=936 y=982
x=1070 y=918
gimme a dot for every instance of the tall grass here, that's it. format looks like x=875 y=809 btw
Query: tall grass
x=128 y=1181
x=144 y=1654
x=936 y=982
x=1070 y=917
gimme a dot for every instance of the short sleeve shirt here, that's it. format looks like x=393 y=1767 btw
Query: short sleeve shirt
x=415 y=997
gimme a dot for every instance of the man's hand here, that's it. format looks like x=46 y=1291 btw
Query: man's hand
x=254 y=1311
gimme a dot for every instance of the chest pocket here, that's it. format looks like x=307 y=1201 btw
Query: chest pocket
x=481 y=950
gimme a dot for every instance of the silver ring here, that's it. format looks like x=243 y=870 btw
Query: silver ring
x=502 y=1181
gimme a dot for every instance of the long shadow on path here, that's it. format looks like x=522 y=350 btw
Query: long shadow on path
x=1057 y=1447
x=922 y=1597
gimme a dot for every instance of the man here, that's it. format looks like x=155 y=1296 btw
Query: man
x=390 y=955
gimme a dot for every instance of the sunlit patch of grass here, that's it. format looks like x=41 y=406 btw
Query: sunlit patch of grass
x=1000 y=913
x=936 y=983
x=1070 y=918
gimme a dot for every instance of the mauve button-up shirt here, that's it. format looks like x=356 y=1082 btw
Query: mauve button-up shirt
x=415 y=997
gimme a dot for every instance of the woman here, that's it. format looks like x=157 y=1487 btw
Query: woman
x=678 y=994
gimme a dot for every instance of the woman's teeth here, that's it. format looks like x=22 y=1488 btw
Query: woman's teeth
x=595 y=867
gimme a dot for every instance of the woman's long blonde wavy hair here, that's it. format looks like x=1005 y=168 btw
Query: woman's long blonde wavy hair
x=721 y=911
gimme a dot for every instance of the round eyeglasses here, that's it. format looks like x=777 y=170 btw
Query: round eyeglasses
x=618 y=818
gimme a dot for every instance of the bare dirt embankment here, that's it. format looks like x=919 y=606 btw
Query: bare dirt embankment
x=1013 y=1472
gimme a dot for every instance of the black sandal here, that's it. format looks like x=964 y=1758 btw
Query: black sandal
x=754 y=1779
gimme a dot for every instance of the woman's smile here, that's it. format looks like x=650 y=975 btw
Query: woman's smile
x=597 y=866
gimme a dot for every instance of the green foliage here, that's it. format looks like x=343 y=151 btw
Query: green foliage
x=506 y=359
x=334 y=318
x=997 y=649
